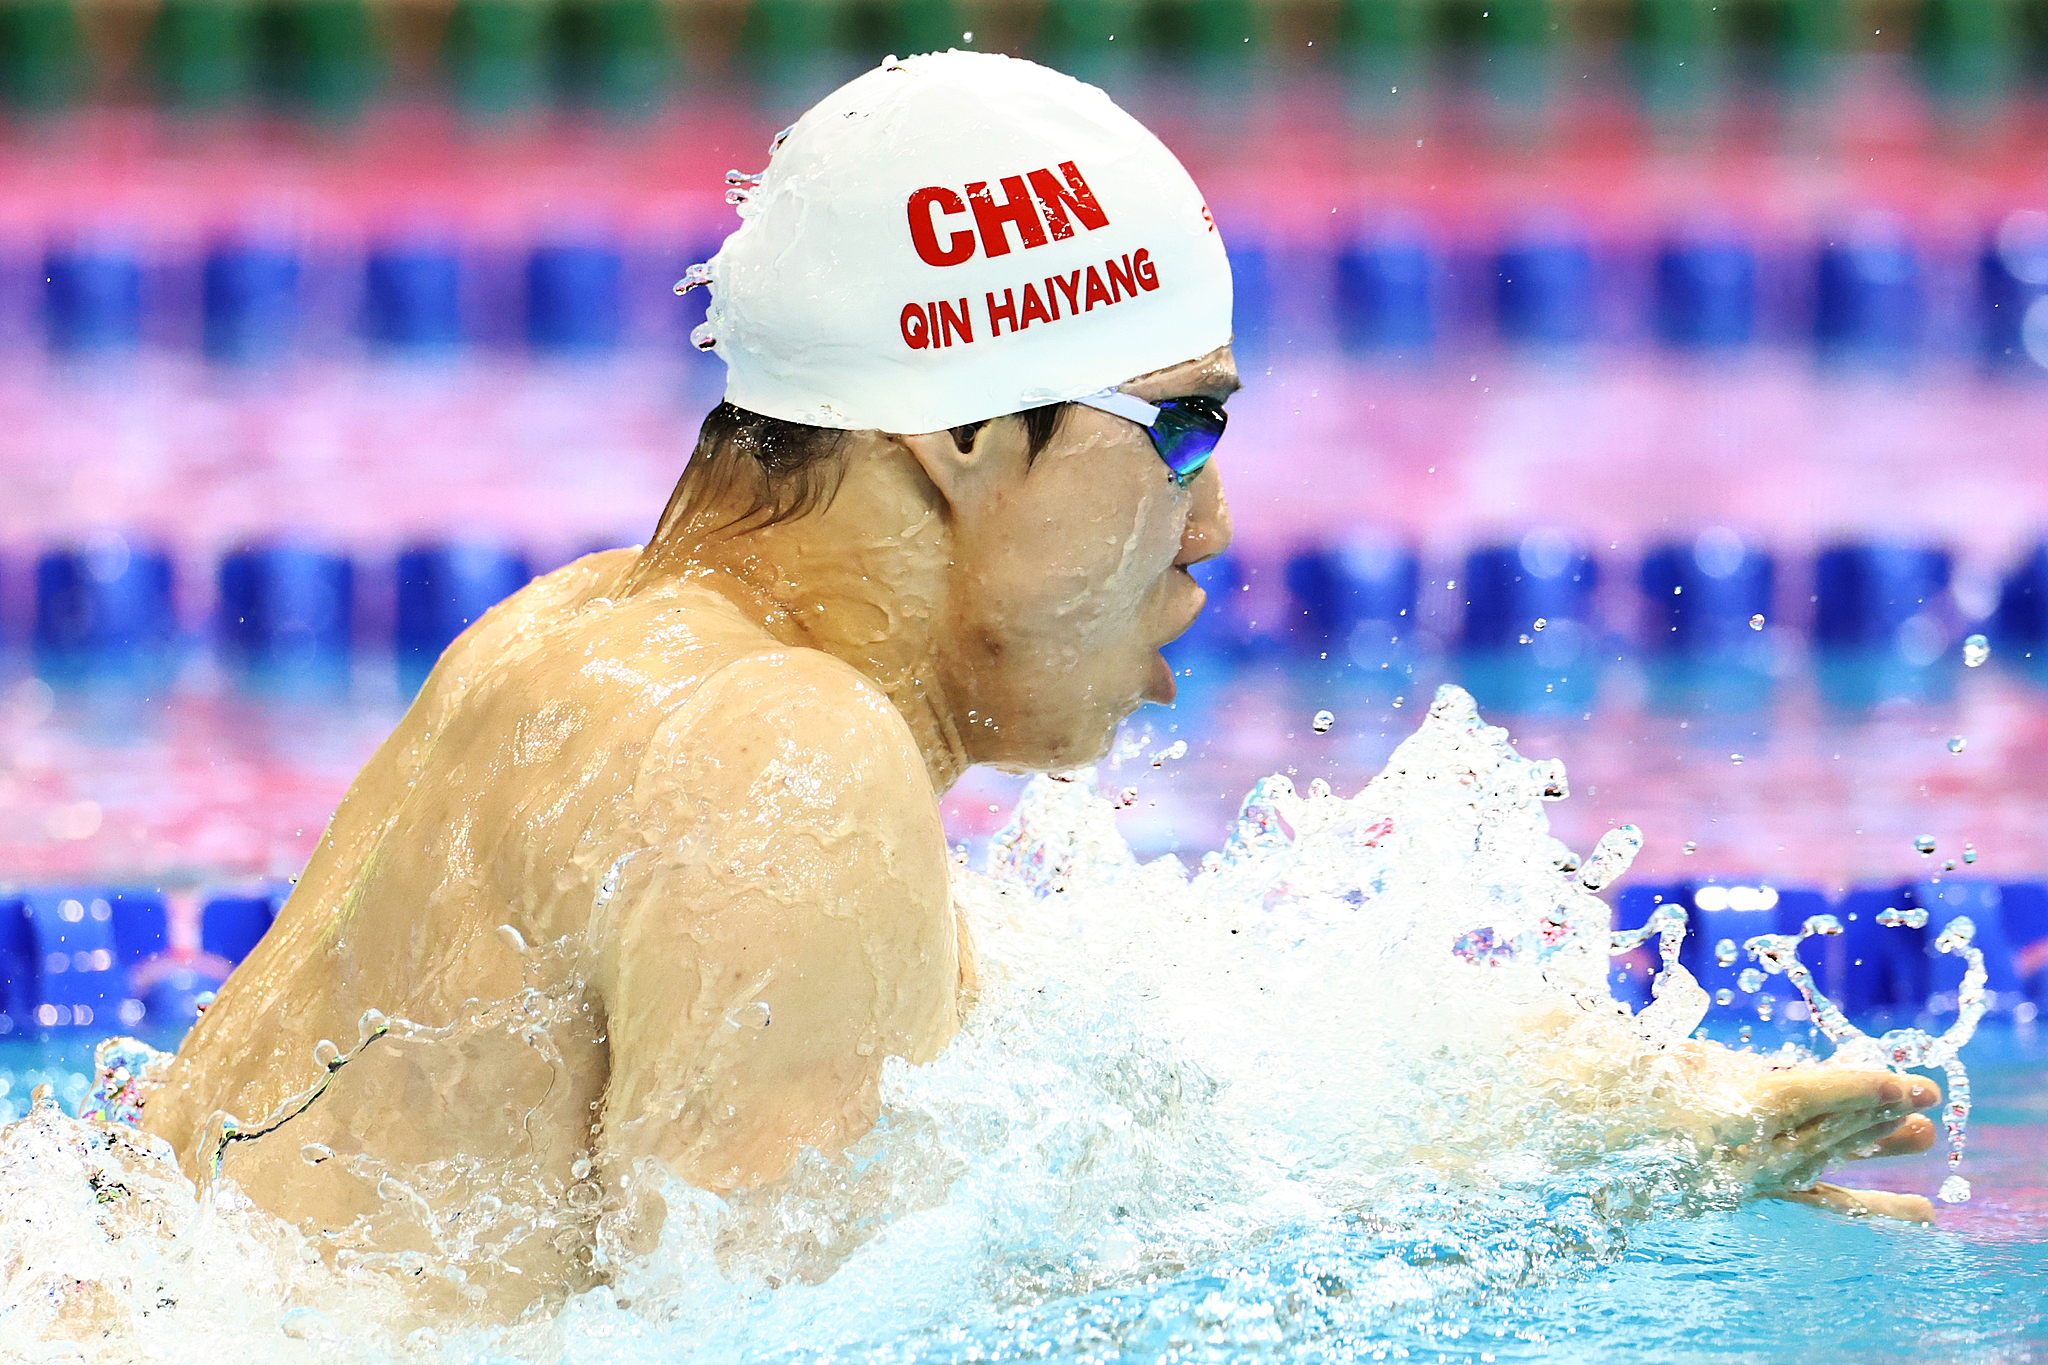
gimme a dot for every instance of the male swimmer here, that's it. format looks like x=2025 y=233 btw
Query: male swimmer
x=976 y=321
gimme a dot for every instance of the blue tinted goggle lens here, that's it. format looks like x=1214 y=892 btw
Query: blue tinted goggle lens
x=1186 y=432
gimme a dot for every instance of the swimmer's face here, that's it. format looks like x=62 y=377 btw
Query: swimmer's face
x=1069 y=572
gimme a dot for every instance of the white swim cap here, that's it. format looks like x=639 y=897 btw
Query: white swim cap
x=954 y=237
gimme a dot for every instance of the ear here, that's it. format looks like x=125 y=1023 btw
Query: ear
x=997 y=457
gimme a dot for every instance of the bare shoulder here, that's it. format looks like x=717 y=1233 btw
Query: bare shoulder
x=800 y=713
x=789 y=869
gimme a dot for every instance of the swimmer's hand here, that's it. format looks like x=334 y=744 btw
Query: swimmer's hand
x=1787 y=1126
x=1907 y=1208
x=1768 y=1130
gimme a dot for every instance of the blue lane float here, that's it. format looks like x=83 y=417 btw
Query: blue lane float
x=230 y=926
x=1543 y=292
x=444 y=587
x=1387 y=292
x=92 y=300
x=66 y=965
x=1508 y=589
x=249 y=300
x=286 y=604
x=1356 y=600
x=572 y=297
x=1869 y=302
x=1704 y=295
x=1704 y=596
x=104 y=601
x=412 y=296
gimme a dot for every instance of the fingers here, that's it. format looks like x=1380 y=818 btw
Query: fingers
x=1907 y=1208
x=1909 y=1136
x=1803 y=1096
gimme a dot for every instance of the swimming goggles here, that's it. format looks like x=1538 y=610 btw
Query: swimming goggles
x=1183 y=430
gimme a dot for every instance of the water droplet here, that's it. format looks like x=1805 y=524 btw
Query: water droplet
x=512 y=938
x=371 y=1024
x=1692 y=846
x=1925 y=844
x=1955 y=744
x=1177 y=749
x=1764 y=1007
x=1398 y=701
x=752 y=1014
x=313 y=1153
x=1750 y=980
x=1891 y=917
x=1128 y=797
x=327 y=1054
x=696 y=277
x=1969 y=853
x=1976 y=650
x=1954 y=1190
x=579 y=1169
x=702 y=337
x=1541 y=622
x=1735 y=758
x=1756 y=622
x=1525 y=639
x=1724 y=953
x=1724 y=996
x=1322 y=722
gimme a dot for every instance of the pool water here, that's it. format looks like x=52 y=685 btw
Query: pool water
x=1256 y=1108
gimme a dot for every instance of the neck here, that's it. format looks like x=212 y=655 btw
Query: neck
x=863 y=579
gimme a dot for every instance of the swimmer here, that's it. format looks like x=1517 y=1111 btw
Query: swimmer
x=653 y=866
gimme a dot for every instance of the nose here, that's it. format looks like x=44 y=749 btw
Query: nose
x=1207 y=534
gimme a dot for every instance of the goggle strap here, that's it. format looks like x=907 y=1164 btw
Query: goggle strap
x=1117 y=403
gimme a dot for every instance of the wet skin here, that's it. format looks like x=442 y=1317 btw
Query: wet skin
x=697 y=783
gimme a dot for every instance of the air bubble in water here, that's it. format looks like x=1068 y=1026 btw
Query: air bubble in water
x=1724 y=953
x=1924 y=845
x=1322 y=722
x=1692 y=846
x=313 y=1153
x=1541 y=622
x=1756 y=622
x=1954 y=1190
x=1127 y=798
x=1751 y=980
x=1764 y=1008
x=1735 y=758
x=1969 y=853
x=1177 y=749
x=327 y=1054
x=1955 y=744
x=1976 y=650
x=1891 y=917
x=372 y=1023
x=1724 y=996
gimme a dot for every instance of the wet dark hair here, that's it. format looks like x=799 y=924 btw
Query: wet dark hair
x=791 y=469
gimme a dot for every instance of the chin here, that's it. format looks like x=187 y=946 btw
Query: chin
x=1076 y=748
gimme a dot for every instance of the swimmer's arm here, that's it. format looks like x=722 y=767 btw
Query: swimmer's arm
x=786 y=930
